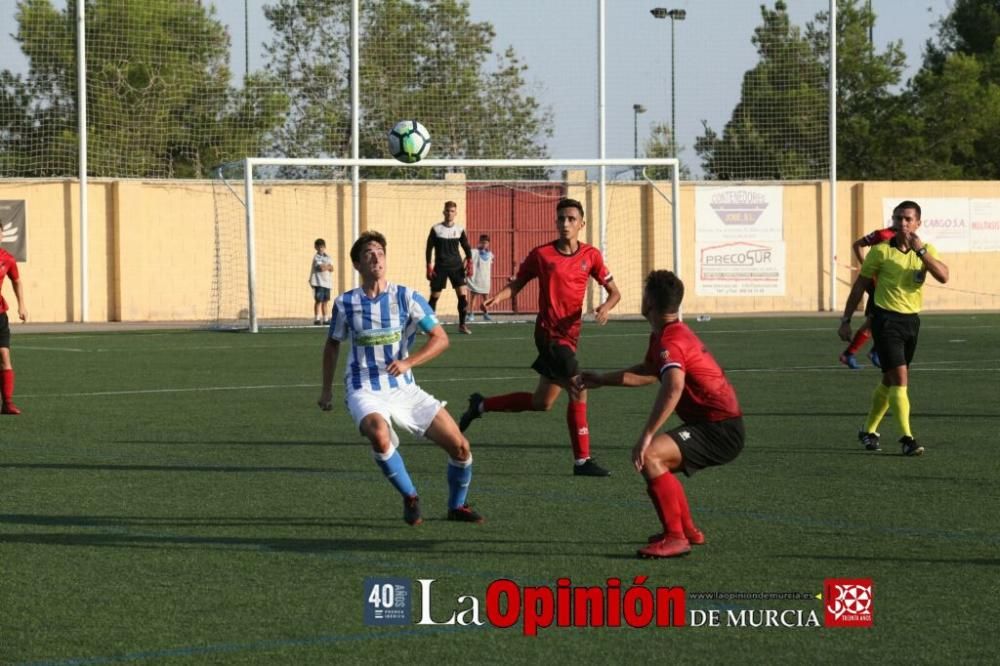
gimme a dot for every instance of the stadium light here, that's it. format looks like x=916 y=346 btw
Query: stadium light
x=674 y=15
x=637 y=109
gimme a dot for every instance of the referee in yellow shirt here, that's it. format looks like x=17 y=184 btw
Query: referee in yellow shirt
x=899 y=269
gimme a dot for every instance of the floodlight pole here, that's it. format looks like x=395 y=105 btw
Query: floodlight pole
x=674 y=15
x=636 y=110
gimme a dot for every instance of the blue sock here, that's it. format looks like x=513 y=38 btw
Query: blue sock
x=459 y=478
x=395 y=470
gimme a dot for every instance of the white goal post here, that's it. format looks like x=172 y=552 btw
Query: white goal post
x=264 y=176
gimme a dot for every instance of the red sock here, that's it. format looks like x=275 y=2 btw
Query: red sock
x=860 y=338
x=510 y=402
x=663 y=491
x=7 y=385
x=682 y=504
x=579 y=432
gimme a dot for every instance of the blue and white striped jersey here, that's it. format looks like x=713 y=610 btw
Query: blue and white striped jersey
x=381 y=331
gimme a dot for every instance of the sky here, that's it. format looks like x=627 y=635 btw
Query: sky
x=557 y=39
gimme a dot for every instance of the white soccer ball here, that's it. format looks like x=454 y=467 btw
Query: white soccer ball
x=409 y=141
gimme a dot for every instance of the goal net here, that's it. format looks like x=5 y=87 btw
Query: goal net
x=270 y=212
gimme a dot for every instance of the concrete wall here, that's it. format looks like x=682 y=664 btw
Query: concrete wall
x=154 y=246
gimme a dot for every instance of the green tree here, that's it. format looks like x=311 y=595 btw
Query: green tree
x=956 y=95
x=419 y=59
x=867 y=105
x=778 y=130
x=660 y=144
x=159 y=101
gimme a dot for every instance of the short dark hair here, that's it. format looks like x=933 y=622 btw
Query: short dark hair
x=908 y=204
x=363 y=240
x=570 y=203
x=484 y=237
x=665 y=290
x=450 y=204
x=318 y=242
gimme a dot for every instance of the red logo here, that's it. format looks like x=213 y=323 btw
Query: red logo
x=847 y=602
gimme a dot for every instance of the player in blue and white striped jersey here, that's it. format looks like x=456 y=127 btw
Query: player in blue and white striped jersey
x=381 y=320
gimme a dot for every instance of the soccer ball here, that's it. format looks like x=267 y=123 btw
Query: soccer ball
x=409 y=141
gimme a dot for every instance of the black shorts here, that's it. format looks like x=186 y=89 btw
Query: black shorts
x=442 y=274
x=895 y=337
x=4 y=330
x=555 y=361
x=708 y=444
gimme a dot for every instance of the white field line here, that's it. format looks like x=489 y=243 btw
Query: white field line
x=525 y=377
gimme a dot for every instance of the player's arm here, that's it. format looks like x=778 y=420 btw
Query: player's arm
x=853 y=300
x=428 y=253
x=637 y=375
x=856 y=248
x=934 y=266
x=671 y=389
x=463 y=240
x=331 y=351
x=604 y=309
x=22 y=307
x=437 y=342
x=510 y=291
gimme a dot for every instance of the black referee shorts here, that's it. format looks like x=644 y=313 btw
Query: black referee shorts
x=555 y=361
x=442 y=274
x=708 y=444
x=4 y=330
x=895 y=337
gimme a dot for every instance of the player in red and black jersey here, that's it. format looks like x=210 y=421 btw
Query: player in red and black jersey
x=864 y=333
x=8 y=268
x=694 y=386
x=563 y=268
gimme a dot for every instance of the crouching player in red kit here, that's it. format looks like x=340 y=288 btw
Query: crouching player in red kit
x=693 y=385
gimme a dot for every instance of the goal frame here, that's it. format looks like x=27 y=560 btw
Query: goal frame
x=355 y=164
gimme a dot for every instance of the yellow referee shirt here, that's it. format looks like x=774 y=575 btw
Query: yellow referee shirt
x=899 y=276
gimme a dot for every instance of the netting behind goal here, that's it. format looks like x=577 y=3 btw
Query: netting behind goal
x=265 y=283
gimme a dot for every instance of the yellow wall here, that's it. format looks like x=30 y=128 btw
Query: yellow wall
x=153 y=245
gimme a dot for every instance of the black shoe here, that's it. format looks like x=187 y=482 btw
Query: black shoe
x=464 y=514
x=411 y=510
x=910 y=447
x=473 y=412
x=869 y=440
x=590 y=468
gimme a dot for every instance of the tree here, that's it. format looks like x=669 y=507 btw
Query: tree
x=159 y=99
x=778 y=129
x=867 y=107
x=660 y=144
x=419 y=59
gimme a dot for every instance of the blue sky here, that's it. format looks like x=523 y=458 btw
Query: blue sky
x=557 y=40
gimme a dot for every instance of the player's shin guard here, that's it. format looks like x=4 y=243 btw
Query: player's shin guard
x=463 y=309
x=859 y=340
x=899 y=400
x=579 y=431
x=880 y=405
x=459 y=478
x=663 y=492
x=7 y=385
x=509 y=402
x=394 y=469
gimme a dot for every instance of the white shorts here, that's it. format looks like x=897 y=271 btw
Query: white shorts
x=408 y=407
